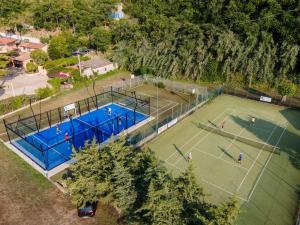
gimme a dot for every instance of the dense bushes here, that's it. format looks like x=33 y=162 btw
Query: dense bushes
x=13 y=103
x=63 y=62
x=45 y=92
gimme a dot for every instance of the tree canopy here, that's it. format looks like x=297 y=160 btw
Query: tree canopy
x=212 y=40
x=141 y=188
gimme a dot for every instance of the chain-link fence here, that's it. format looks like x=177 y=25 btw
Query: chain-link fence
x=168 y=118
x=175 y=86
x=256 y=95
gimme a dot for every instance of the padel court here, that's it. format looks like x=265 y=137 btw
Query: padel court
x=50 y=138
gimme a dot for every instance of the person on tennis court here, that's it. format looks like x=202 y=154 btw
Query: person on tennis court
x=223 y=124
x=252 y=121
x=189 y=157
x=240 y=158
x=67 y=137
x=58 y=131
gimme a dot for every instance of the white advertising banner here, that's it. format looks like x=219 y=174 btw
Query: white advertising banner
x=265 y=99
x=172 y=122
x=163 y=128
x=69 y=107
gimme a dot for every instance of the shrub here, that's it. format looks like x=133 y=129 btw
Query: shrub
x=31 y=67
x=3 y=73
x=12 y=53
x=55 y=83
x=13 y=103
x=45 y=92
x=287 y=88
x=160 y=85
x=39 y=56
x=63 y=62
x=143 y=71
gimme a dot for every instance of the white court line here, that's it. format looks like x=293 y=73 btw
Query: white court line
x=205 y=136
x=231 y=143
x=197 y=134
x=212 y=184
x=265 y=166
x=212 y=155
x=255 y=160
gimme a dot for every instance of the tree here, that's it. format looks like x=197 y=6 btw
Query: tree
x=39 y=56
x=88 y=181
x=9 y=9
x=191 y=196
x=101 y=38
x=58 y=47
x=85 y=190
x=286 y=88
x=123 y=190
x=162 y=205
x=226 y=213
x=62 y=45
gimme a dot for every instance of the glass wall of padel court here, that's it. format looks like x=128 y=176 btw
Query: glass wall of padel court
x=48 y=138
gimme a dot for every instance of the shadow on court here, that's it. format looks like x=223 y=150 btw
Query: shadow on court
x=227 y=153
x=180 y=152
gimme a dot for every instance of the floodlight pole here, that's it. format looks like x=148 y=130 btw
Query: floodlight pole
x=5 y=125
x=157 y=104
x=30 y=101
x=94 y=81
x=79 y=64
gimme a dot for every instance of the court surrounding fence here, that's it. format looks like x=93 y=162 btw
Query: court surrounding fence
x=256 y=95
x=176 y=86
x=24 y=128
x=170 y=117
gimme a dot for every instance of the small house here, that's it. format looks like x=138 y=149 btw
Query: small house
x=29 y=46
x=96 y=65
x=7 y=44
x=21 y=60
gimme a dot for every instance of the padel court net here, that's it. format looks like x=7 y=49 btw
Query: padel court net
x=48 y=138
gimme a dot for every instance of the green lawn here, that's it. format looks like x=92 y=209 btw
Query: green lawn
x=266 y=184
x=29 y=198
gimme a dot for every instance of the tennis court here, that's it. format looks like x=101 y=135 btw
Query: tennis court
x=215 y=152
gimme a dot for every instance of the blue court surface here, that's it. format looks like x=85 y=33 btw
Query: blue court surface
x=49 y=148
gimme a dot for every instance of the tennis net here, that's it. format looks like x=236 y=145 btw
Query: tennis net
x=257 y=144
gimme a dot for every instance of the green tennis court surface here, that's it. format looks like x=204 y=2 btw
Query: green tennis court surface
x=265 y=183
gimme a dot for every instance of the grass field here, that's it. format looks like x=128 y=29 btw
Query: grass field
x=28 y=198
x=266 y=184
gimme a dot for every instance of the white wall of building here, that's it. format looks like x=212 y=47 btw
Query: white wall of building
x=101 y=70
